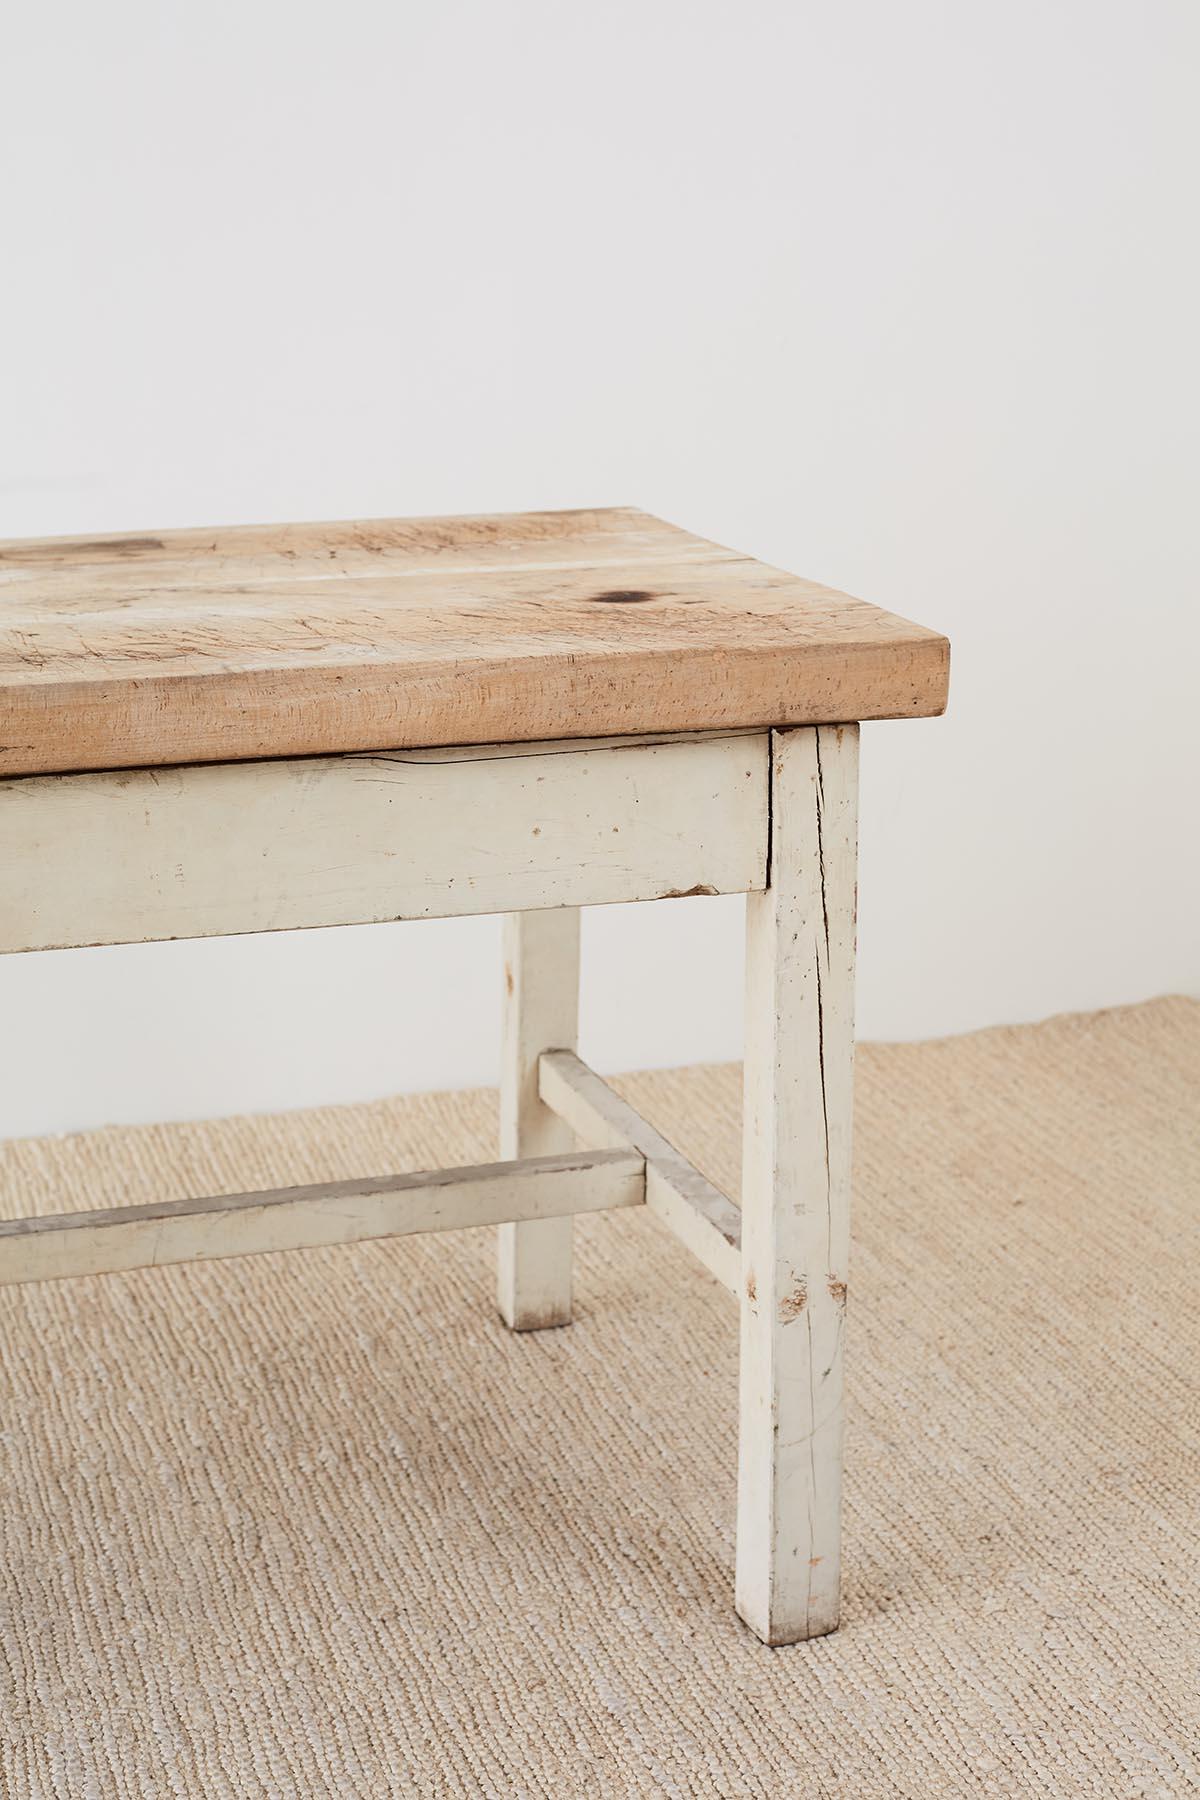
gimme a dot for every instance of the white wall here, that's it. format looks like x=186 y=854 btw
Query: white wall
x=903 y=297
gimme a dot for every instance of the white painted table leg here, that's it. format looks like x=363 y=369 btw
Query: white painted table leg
x=541 y=1010
x=796 y=1191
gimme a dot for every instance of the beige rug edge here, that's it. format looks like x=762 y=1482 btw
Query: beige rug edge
x=317 y=1525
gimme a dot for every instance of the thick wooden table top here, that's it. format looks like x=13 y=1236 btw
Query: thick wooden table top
x=291 y=640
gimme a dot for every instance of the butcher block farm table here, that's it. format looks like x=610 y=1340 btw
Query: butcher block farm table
x=262 y=729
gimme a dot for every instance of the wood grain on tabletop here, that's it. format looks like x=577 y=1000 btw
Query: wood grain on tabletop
x=293 y=640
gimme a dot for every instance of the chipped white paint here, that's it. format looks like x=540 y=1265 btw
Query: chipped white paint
x=534 y=831
x=796 y=1190
x=696 y=1211
x=215 y=849
x=540 y=1010
x=345 y=1212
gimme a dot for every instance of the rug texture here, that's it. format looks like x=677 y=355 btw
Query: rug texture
x=315 y=1524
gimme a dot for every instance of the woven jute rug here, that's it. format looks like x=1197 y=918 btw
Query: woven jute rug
x=315 y=1524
